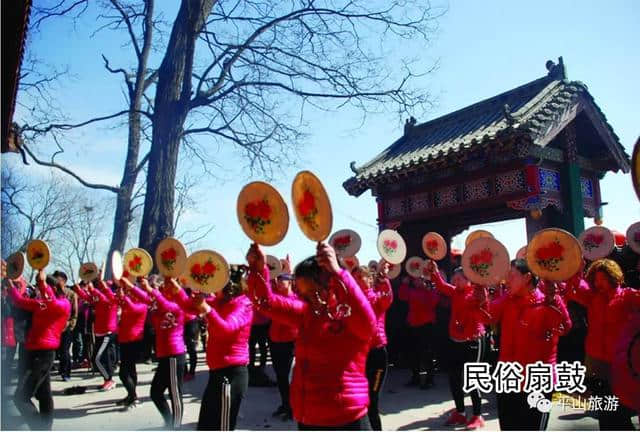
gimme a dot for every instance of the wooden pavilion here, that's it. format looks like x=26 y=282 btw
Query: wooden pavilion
x=537 y=151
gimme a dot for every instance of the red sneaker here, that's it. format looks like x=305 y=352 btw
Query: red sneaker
x=187 y=377
x=456 y=418
x=475 y=422
x=108 y=385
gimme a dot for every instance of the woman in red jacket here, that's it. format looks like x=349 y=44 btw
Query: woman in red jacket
x=530 y=327
x=130 y=336
x=421 y=317
x=105 y=326
x=466 y=334
x=336 y=323
x=609 y=308
x=380 y=295
x=229 y=315
x=49 y=319
x=281 y=343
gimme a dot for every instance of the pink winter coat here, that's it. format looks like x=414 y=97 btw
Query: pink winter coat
x=134 y=314
x=229 y=324
x=168 y=320
x=380 y=297
x=329 y=386
x=106 y=308
x=49 y=317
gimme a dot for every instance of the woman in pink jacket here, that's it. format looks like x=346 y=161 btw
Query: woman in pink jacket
x=167 y=318
x=130 y=335
x=336 y=323
x=282 y=344
x=229 y=315
x=49 y=319
x=105 y=326
x=609 y=308
x=380 y=295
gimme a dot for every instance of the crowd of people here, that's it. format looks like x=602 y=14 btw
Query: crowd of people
x=362 y=315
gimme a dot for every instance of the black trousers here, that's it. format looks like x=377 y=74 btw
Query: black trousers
x=376 y=368
x=361 y=424
x=64 y=353
x=222 y=398
x=36 y=383
x=105 y=355
x=459 y=354
x=191 y=341
x=422 y=353
x=514 y=413
x=169 y=376
x=620 y=419
x=78 y=351
x=282 y=356
x=129 y=354
x=259 y=335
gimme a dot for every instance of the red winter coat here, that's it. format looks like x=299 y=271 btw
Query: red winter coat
x=380 y=297
x=529 y=328
x=422 y=304
x=49 y=317
x=467 y=317
x=329 y=386
x=607 y=314
x=8 y=332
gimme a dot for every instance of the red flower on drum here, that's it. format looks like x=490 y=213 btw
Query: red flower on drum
x=86 y=270
x=342 y=243
x=136 y=263
x=481 y=262
x=549 y=256
x=415 y=265
x=168 y=257
x=258 y=214
x=308 y=210
x=37 y=255
x=432 y=246
x=201 y=273
x=390 y=246
x=592 y=241
x=351 y=263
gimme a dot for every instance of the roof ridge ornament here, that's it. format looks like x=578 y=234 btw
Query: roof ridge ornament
x=556 y=71
x=409 y=124
x=508 y=115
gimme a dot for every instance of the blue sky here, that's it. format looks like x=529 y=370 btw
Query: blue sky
x=482 y=48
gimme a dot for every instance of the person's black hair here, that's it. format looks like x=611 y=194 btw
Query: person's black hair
x=310 y=269
x=61 y=274
x=522 y=267
x=51 y=281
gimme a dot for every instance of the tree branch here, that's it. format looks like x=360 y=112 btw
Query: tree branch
x=69 y=172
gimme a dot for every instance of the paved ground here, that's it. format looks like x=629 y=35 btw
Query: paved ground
x=404 y=408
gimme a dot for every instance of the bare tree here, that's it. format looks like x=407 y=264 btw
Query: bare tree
x=137 y=19
x=53 y=210
x=242 y=72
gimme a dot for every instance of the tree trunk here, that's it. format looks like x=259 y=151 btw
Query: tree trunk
x=171 y=106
